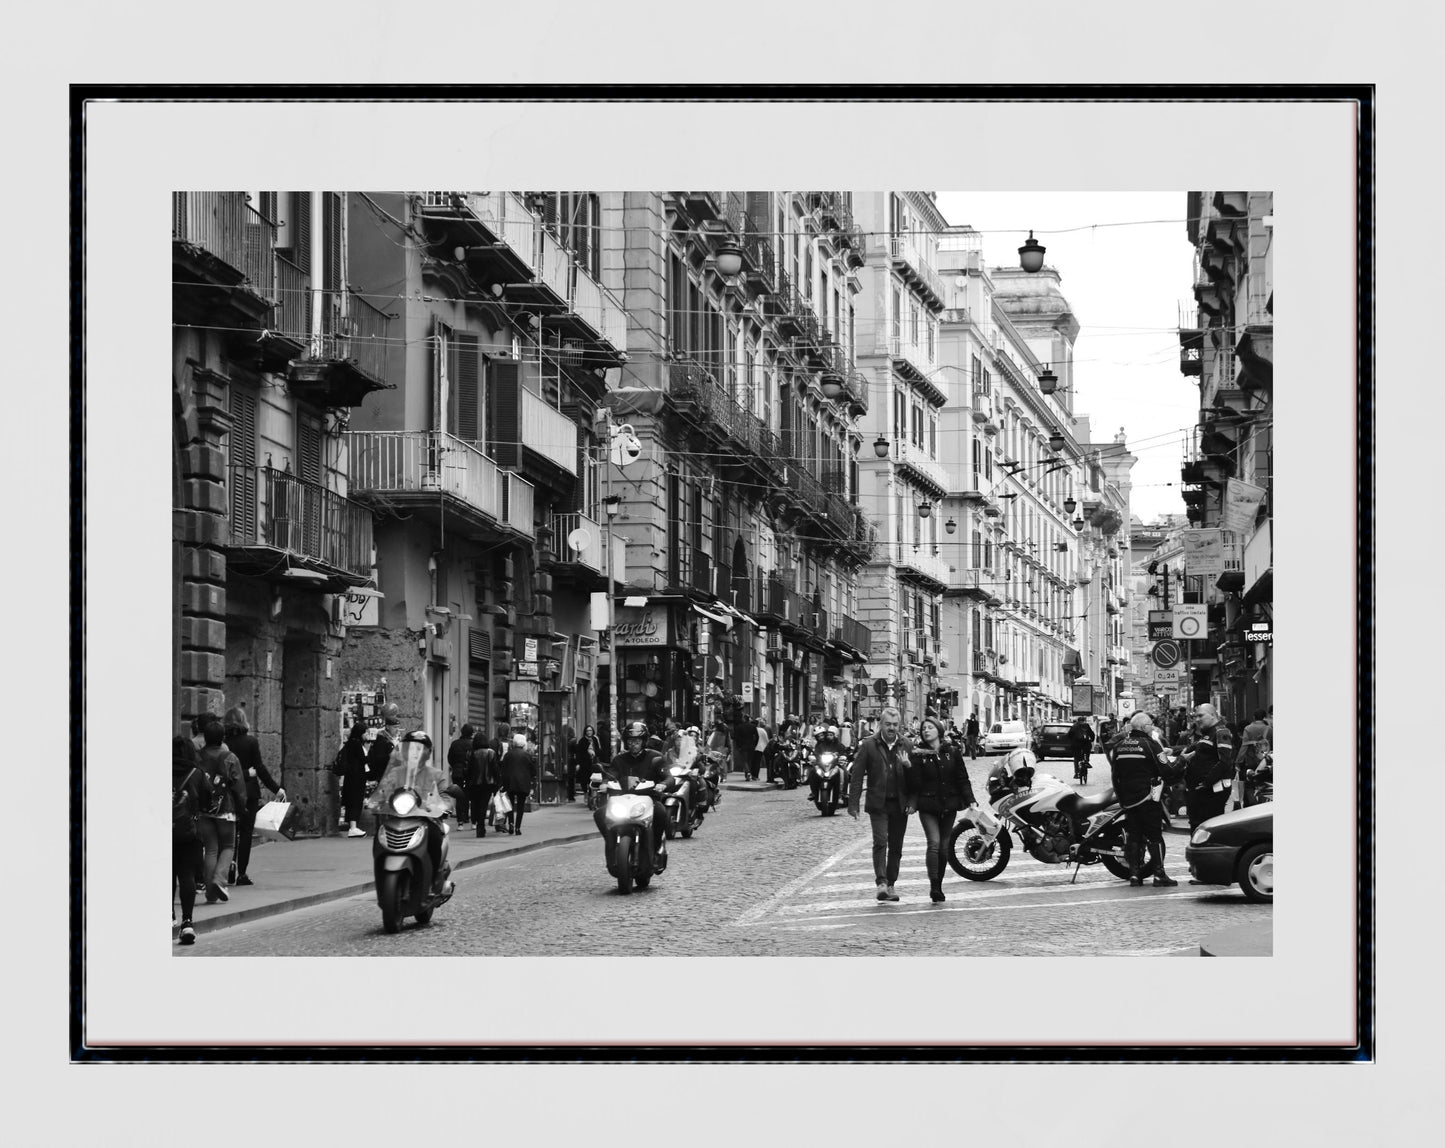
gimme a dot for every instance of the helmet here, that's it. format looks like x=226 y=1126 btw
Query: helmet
x=420 y=735
x=1019 y=759
x=635 y=729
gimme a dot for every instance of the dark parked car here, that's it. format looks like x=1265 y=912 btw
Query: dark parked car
x=1236 y=847
x=1052 y=741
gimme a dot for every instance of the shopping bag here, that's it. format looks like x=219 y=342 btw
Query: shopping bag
x=277 y=819
x=501 y=804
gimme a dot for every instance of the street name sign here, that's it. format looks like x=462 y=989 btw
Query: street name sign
x=1191 y=620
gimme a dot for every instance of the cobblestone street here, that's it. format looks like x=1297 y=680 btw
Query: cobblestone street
x=767 y=876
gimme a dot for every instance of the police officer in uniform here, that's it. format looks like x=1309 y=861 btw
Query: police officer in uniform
x=1208 y=765
x=1136 y=767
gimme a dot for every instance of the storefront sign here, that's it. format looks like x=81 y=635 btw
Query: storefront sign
x=527 y=670
x=1259 y=632
x=1240 y=504
x=529 y=649
x=640 y=626
x=1203 y=552
x=522 y=692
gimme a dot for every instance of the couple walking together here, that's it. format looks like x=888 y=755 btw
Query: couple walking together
x=928 y=778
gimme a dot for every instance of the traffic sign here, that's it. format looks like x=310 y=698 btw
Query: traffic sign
x=1161 y=624
x=1165 y=654
x=1191 y=620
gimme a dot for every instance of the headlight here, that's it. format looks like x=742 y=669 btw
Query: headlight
x=1201 y=835
x=403 y=801
x=827 y=758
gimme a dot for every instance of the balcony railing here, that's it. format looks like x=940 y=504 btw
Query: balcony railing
x=506 y=216
x=915 y=356
x=853 y=633
x=356 y=330
x=214 y=221
x=564 y=527
x=275 y=509
x=554 y=264
x=920 y=559
x=518 y=503
x=398 y=462
x=909 y=256
x=690 y=568
x=908 y=454
x=549 y=432
x=599 y=309
x=293 y=301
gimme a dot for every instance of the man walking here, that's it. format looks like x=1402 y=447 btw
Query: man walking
x=883 y=760
x=457 y=754
x=970 y=734
x=1208 y=766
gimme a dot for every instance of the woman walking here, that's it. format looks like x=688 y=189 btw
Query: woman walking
x=218 y=826
x=190 y=793
x=517 y=769
x=353 y=778
x=481 y=779
x=586 y=758
x=943 y=789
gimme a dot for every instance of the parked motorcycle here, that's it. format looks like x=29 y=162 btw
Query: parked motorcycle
x=627 y=817
x=1052 y=821
x=827 y=780
x=1259 y=781
x=683 y=800
x=411 y=826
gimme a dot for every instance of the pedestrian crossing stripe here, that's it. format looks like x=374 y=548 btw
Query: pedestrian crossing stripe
x=816 y=895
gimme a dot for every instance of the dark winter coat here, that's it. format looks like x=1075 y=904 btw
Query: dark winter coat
x=1134 y=759
x=379 y=756
x=586 y=756
x=248 y=752
x=871 y=762
x=943 y=785
x=457 y=759
x=353 y=772
x=1080 y=735
x=517 y=769
x=1210 y=757
x=482 y=765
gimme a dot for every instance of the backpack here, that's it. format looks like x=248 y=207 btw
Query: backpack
x=183 y=812
x=338 y=767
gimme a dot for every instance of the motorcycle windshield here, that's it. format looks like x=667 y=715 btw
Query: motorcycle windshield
x=409 y=774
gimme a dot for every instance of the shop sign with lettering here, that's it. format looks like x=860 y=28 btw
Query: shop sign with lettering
x=640 y=626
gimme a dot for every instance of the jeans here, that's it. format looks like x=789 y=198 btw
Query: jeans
x=245 y=829
x=220 y=845
x=936 y=827
x=186 y=858
x=888 y=830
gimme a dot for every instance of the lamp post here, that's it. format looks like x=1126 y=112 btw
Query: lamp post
x=611 y=503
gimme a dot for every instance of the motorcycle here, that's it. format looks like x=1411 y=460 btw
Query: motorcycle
x=711 y=768
x=1259 y=781
x=1052 y=821
x=684 y=801
x=627 y=816
x=406 y=883
x=787 y=765
x=827 y=781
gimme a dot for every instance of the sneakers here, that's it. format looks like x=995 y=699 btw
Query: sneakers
x=356 y=831
x=188 y=934
x=890 y=894
x=244 y=880
x=216 y=893
x=1163 y=879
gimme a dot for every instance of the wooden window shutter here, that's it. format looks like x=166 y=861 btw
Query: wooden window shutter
x=308 y=451
x=331 y=241
x=241 y=445
x=466 y=387
x=301 y=229
x=441 y=344
x=504 y=423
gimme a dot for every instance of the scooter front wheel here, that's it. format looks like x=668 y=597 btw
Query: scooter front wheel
x=391 y=893
x=622 y=862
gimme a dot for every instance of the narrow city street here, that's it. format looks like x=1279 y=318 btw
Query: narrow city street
x=768 y=876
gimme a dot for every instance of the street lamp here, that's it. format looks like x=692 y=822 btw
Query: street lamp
x=729 y=260
x=880 y=446
x=611 y=504
x=1031 y=254
x=1079 y=523
x=950 y=526
x=1048 y=381
x=832 y=386
x=1069 y=504
x=1056 y=440
x=925 y=508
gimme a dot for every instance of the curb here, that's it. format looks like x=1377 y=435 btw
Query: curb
x=260 y=912
x=1239 y=941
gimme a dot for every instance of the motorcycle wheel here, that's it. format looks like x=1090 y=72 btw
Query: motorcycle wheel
x=975 y=870
x=622 y=862
x=686 y=829
x=424 y=916
x=392 y=895
x=643 y=880
x=1119 y=868
x=827 y=808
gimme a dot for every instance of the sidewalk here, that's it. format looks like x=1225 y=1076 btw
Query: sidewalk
x=312 y=870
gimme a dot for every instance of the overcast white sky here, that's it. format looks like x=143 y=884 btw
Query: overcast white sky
x=1125 y=285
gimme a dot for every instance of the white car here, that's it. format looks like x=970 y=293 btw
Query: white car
x=1003 y=736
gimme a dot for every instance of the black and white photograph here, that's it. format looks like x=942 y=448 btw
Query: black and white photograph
x=563 y=573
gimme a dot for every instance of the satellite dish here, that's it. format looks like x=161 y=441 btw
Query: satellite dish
x=579 y=539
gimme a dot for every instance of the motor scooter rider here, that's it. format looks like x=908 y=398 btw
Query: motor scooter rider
x=828 y=741
x=410 y=768
x=637 y=760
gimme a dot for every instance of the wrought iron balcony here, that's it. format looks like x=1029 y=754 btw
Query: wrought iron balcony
x=496 y=226
x=579 y=527
x=928 y=472
x=909 y=262
x=347 y=360
x=853 y=634
x=221 y=258
x=279 y=521
x=518 y=503
x=917 y=560
x=702 y=206
x=690 y=571
x=548 y=433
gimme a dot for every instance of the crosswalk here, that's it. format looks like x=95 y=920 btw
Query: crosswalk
x=841 y=890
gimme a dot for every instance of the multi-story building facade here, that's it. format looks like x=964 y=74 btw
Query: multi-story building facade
x=902 y=474
x=1022 y=606
x=480 y=465
x=1227 y=344
x=743 y=534
x=271 y=352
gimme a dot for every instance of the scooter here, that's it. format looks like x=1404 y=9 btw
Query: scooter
x=787 y=765
x=1052 y=820
x=627 y=817
x=827 y=781
x=711 y=770
x=683 y=801
x=406 y=883
x=1259 y=782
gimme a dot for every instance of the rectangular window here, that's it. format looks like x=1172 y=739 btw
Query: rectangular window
x=933 y=437
x=897 y=315
x=900 y=415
